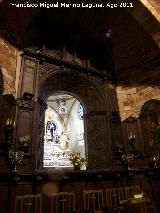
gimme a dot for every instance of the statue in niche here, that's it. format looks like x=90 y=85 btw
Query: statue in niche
x=64 y=142
x=51 y=130
x=131 y=132
x=51 y=127
x=132 y=140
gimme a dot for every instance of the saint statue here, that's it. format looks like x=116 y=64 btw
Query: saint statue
x=64 y=142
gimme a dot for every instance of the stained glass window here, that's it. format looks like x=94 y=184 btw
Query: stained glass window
x=80 y=112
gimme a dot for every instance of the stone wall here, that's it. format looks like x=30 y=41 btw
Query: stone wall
x=132 y=98
x=8 y=57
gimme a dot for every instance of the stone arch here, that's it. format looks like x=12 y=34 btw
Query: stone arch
x=77 y=85
x=150 y=106
x=93 y=100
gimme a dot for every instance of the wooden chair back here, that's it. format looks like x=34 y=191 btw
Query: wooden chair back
x=28 y=203
x=113 y=197
x=62 y=202
x=93 y=200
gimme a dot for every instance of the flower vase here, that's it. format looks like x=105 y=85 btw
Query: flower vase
x=16 y=158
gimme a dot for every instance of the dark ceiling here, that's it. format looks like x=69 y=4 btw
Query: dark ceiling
x=82 y=30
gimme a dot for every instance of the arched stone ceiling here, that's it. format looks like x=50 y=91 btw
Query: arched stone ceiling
x=134 y=33
x=153 y=6
x=147 y=13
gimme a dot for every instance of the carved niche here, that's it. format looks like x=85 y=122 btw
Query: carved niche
x=131 y=136
x=28 y=77
x=93 y=99
x=40 y=78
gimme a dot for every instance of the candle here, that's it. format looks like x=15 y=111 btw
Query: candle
x=10 y=122
x=7 y=122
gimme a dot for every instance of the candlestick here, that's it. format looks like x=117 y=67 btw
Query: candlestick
x=10 y=125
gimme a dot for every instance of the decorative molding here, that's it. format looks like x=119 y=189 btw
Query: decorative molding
x=30 y=63
x=63 y=62
x=130 y=119
x=47 y=69
x=40 y=142
x=28 y=105
x=95 y=113
x=97 y=144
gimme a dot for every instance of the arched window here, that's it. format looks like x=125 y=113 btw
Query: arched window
x=64 y=130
